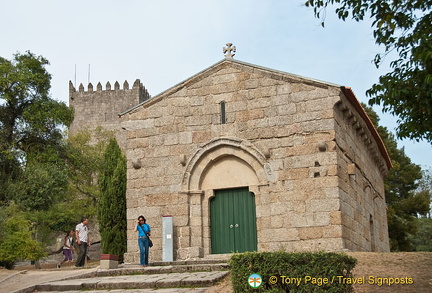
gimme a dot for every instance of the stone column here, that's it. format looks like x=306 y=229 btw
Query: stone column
x=196 y=224
x=191 y=235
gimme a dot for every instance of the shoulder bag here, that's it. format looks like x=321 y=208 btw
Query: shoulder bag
x=148 y=237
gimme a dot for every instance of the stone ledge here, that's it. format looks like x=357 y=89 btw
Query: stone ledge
x=172 y=280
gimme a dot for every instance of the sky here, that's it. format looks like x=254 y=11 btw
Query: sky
x=163 y=42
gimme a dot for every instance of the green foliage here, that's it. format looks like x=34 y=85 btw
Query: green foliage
x=292 y=265
x=422 y=240
x=84 y=159
x=58 y=193
x=71 y=186
x=33 y=166
x=425 y=185
x=16 y=238
x=404 y=27
x=404 y=200
x=40 y=186
x=30 y=121
x=53 y=180
x=112 y=201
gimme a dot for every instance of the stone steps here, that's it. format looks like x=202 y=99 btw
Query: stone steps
x=171 y=275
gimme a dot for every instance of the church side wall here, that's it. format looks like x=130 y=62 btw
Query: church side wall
x=361 y=170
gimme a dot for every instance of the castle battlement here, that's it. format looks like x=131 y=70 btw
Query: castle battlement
x=136 y=87
x=100 y=107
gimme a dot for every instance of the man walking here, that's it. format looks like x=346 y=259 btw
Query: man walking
x=83 y=240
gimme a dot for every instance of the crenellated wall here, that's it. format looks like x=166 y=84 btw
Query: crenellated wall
x=100 y=107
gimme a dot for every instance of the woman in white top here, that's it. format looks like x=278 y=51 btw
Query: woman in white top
x=67 y=248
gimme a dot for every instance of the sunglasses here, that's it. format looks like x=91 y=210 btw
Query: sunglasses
x=141 y=220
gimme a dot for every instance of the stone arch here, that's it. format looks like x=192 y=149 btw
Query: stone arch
x=222 y=153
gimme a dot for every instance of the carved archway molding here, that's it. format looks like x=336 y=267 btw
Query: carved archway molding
x=219 y=148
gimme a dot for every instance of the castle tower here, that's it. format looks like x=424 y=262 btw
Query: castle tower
x=100 y=108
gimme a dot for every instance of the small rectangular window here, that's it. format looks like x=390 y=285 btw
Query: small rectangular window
x=222 y=112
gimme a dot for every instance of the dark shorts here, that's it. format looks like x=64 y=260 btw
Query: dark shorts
x=68 y=254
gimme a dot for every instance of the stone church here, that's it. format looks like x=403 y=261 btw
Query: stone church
x=246 y=158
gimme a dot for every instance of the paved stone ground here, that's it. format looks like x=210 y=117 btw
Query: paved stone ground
x=13 y=281
x=171 y=280
x=71 y=279
x=169 y=290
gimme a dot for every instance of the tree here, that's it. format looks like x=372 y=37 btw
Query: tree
x=112 y=201
x=422 y=240
x=31 y=121
x=404 y=200
x=33 y=166
x=70 y=186
x=425 y=185
x=84 y=158
x=404 y=26
x=40 y=186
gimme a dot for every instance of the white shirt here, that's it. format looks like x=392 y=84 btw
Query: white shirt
x=68 y=243
x=82 y=232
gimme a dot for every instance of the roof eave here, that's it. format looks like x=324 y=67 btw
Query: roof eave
x=349 y=94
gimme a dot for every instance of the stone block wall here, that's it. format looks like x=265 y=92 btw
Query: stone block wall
x=100 y=107
x=286 y=129
x=362 y=169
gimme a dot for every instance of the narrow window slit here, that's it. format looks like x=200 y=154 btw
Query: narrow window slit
x=222 y=112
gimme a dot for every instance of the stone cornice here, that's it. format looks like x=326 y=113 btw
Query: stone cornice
x=349 y=94
x=355 y=116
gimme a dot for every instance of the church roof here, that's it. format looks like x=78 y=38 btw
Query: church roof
x=349 y=94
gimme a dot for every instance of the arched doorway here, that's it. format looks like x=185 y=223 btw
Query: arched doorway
x=224 y=165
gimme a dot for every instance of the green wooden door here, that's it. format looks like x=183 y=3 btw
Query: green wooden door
x=233 y=221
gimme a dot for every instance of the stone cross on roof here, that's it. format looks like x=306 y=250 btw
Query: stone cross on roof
x=228 y=49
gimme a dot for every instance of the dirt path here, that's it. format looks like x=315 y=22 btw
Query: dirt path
x=375 y=267
x=415 y=267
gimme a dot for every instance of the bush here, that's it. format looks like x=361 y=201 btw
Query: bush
x=293 y=272
x=16 y=239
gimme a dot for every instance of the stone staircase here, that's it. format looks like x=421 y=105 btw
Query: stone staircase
x=179 y=274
